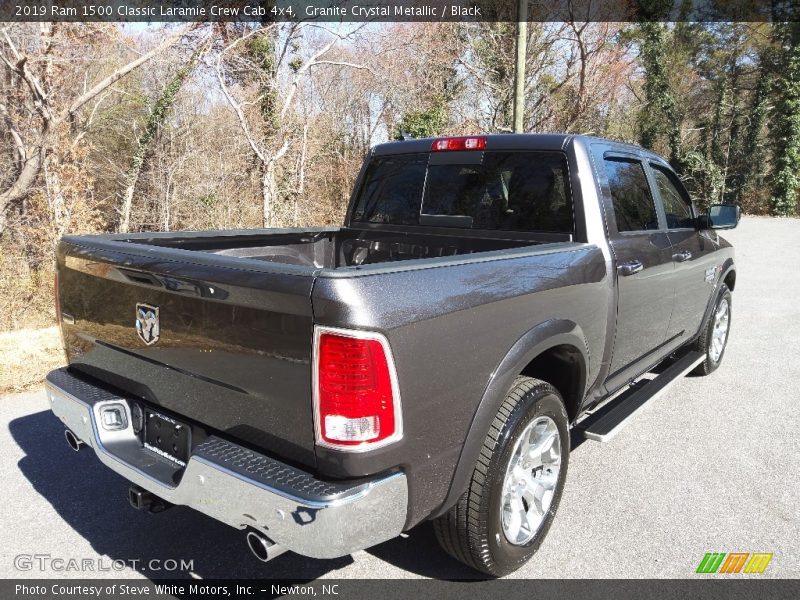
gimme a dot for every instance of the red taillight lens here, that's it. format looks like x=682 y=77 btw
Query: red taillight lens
x=459 y=143
x=356 y=395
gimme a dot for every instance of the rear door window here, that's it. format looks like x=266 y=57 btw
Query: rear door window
x=634 y=207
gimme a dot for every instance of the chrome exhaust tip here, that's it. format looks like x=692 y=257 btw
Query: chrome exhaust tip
x=73 y=440
x=263 y=548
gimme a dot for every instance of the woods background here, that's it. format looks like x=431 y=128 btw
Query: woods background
x=110 y=128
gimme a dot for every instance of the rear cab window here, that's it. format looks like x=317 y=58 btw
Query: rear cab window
x=392 y=190
x=526 y=191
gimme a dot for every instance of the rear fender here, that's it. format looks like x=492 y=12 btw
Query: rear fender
x=536 y=341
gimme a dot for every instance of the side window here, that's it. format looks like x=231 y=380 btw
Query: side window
x=676 y=202
x=633 y=203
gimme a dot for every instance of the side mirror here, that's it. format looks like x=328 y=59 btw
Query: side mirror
x=721 y=216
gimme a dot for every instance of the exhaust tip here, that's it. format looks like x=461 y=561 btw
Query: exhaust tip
x=262 y=547
x=73 y=440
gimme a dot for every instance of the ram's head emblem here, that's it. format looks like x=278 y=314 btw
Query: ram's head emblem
x=147 y=326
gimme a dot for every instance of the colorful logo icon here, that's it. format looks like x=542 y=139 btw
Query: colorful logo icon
x=734 y=562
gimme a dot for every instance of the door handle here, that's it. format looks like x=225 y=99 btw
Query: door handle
x=682 y=256
x=630 y=267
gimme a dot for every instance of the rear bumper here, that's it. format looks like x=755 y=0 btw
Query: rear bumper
x=240 y=487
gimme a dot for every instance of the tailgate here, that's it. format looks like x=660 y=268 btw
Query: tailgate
x=230 y=350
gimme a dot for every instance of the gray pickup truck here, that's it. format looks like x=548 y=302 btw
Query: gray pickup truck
x=488 y=301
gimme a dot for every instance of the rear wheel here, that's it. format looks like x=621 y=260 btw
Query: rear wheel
x=512 y=497
x=714 y=338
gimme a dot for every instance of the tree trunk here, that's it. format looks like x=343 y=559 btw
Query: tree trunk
x=59 y=214
x=25 y=180
x=130 y=187
x=268 y=192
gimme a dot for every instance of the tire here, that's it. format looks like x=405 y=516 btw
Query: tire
x=475 y=530
x=706 y=341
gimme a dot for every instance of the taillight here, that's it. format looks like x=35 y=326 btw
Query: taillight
x=458 y=143
x=356 y=395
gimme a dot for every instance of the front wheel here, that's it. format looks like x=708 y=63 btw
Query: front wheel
x=714 y=338
x=512 y=497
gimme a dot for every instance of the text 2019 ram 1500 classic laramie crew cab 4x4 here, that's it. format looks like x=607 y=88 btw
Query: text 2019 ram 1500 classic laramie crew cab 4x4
x=327 y=389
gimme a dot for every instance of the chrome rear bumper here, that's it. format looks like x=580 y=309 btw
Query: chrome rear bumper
x=240 y=487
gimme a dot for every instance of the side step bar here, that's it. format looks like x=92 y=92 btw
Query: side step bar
x=609 y=420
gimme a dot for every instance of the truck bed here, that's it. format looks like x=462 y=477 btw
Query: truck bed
x=331 y=248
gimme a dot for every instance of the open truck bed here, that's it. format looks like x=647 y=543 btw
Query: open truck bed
x=328 y=248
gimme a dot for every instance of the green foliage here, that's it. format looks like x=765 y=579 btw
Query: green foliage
x=749 y=155
x=717 y=147
x=160 y=111
x=704 y=177
x=493 y=49
x=786 y=123
x=433 y=117
x=157 y=117
x=261 y=50
x=708 y=91
x=209 y=200
x=423 y=123
x=659 y=117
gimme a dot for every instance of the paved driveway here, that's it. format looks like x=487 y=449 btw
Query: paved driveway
x=712 y=466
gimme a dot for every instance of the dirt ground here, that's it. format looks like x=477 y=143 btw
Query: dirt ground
x=26 y=355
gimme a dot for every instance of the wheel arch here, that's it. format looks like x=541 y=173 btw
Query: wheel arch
x=728 y=278
x=554 y=351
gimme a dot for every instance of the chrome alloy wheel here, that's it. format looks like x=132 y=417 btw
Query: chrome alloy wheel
x=530 y=480
x=719 y=334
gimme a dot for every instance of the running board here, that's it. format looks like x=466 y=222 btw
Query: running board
x=609 y=420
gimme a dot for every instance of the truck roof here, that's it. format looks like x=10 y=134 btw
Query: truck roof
x=512 y=141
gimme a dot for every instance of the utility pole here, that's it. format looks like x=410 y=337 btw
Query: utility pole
x=519 y=70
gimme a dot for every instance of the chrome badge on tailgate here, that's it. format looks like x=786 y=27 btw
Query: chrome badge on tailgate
x=147 y=325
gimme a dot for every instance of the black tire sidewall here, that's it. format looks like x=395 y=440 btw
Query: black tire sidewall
x=506 y=556
x=711 y=365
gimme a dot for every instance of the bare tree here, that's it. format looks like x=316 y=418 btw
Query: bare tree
x=158 y=114
x=36 y=87
x=273 y=142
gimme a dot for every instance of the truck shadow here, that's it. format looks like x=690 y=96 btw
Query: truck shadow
x=92 y=500
x=419 y=552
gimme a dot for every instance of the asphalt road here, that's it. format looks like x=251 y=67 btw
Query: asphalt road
x=712 y=466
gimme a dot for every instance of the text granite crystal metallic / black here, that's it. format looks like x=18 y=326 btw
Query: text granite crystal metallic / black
x=480 y=286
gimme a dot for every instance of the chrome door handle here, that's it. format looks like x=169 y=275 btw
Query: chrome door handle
x=682 y=256
x=630 y=267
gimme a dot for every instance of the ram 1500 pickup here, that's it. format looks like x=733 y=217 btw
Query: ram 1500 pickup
x=487 y=299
